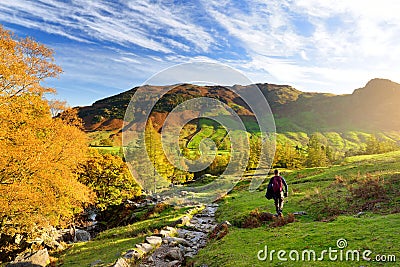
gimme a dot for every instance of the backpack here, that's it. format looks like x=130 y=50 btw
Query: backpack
x=277 y=184
x=270 y=192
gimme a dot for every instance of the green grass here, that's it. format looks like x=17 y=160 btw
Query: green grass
x=241 y=246
x=352 y=142
x=114 y=150
x=219 y=135
x=106 y=250
x=110 y=244
x=322 y=193
x=390 y=157
x=335 y=140
x=205 y=132
x=298 y=137
x=97 y=136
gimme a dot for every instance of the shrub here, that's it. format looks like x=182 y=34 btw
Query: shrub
x=365 y=193
x=219 y=231
x=281 y=221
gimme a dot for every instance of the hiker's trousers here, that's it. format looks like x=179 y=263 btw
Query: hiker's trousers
x=279 y=199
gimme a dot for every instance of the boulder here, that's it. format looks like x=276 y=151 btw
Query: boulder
x=133 y=254
x=172 y=230
x=65 y=235
x=359 y=214
x=154 y=240
x=185 y=220
x=174 y=254
x=189 y=255
x=18 y=239
x=121 y=262
x=174 y=241
x=145 y=247
x=300 y=213
x=81 y=235
x=29 y=259
x=164 y=233
x=53 y=245
x=168 y=231
x=36 y=241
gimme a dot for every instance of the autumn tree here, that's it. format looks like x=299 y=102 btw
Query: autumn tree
x=57 y=106
x=316 y=153
x=152 y=166
x=219 y=164
x=24 y=63
x=156 y=153
x=255 y=150
x=38 y=154
x=109 y=177
x=289 y=156
x=70 y=117
x=376 y=146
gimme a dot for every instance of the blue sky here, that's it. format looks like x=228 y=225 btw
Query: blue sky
x=106 y=47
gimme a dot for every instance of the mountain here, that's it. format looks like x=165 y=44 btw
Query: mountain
x=373 y=108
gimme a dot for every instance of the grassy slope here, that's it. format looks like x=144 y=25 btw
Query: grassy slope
x=109 y=245
x=340 y=141
x=376 y=230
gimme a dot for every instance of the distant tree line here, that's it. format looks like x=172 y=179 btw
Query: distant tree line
x=318 y=154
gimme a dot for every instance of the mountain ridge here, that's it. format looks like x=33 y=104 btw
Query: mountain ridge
x=374 y=107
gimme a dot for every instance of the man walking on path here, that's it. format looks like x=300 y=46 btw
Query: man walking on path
x=275 y=187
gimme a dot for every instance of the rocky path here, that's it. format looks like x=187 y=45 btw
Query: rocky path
x=173 y=246
x=189 y=239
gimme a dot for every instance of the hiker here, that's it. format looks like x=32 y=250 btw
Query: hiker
x=275 y=191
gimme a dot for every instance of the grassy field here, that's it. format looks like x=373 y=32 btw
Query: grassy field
x=333 y=199
x=340 y=141
x=114 y=150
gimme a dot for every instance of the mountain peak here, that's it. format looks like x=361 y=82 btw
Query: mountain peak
x=379 y=87
x=381 y=83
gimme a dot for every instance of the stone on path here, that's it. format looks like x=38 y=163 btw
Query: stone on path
x=145 y=247
x=28 y=259
x=121 y=262
x=174 y=254
x=154 y=240
x=174 y=249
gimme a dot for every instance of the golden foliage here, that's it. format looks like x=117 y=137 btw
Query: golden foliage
x=109 y=177
x=70 y=117
x=38 y=154
x=24 y=63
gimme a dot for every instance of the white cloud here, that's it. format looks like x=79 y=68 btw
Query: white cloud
x=262 y=29
x=310 y=44
x=346 y=42
x=154 y=26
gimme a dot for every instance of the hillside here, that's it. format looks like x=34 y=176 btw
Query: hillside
x=341 y=202
x=373 y=108
x=344 y=122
